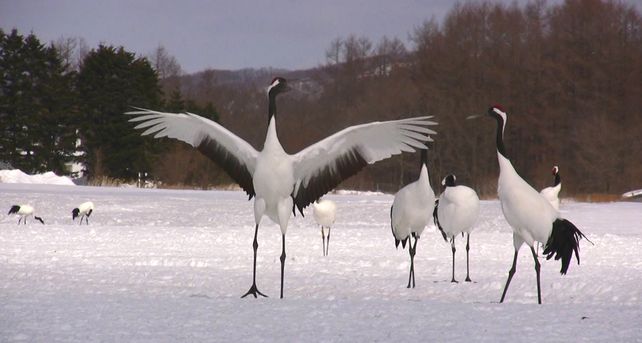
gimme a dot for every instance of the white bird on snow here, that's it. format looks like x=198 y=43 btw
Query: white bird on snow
x=410 y=213
x=24 y=211
x=531 y=216
x=324 y=213
x=84 y=210
x=455 y=212
x=280 y=181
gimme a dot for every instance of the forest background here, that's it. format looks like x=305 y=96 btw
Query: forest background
x=568 y=74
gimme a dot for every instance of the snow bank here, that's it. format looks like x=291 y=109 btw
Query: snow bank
x=17 y=176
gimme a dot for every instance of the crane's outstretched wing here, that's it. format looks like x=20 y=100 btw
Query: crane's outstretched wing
x=233 y=154
x=322 y=166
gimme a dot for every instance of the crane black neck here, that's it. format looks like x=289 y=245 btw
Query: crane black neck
x=558 y=180
x=271 y=105
x=424 y=157
x=500 y=135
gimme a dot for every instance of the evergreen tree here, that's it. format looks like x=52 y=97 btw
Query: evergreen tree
x=36 y=105
x=110 y=81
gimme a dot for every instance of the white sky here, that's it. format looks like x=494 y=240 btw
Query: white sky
x=221 y=34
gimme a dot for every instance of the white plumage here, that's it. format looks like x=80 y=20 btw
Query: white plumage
x=552 y=193
x=531 y=216
x=84 y=210
x=410 y=213
x=456 y=213
x=24 y=211
x=280 y=181
x=324 y=213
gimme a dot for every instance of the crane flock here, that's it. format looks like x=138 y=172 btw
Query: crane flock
x=282 y=184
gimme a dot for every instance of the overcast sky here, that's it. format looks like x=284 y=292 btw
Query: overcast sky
x=216 y=34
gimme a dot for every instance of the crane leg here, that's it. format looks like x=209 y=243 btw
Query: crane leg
x=452 y=244
x=323 y=239
x=414 y=251
x=410 y=252
x=537 y=268
x=467 y=263
x=282 y=263
x=327 y=246
x=253 y=290
x=511 y=272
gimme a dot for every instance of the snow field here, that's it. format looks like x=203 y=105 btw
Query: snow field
x=170 y=266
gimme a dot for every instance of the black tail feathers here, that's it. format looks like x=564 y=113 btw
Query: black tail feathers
x=435 y=217
x=403 y=243
x=564 y=240
x=14 y=209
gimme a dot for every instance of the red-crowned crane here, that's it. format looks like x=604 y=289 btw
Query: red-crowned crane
x=410 y=213
x=24 y=211
x=281 y=182
x=455 y=213
x=83 y=210
x=532 y=218
x=325 y=213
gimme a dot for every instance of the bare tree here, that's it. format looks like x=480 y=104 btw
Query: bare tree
x=72 y=51
x=333 y=52
x=388 y=52
x=167 y=68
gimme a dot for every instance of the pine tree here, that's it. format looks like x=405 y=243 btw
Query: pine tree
x=36 y=105
x=111 y=81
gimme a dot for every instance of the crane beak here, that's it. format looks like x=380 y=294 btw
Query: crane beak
x=474 y=116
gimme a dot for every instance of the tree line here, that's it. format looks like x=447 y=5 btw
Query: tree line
x=54 y=112
x=569 y=75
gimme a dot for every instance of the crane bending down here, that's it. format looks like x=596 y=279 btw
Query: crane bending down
x=280 y=182
x=83 y=210
x=24 y=211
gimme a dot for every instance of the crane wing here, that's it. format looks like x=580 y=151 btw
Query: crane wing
x=322 y=166
x=233 y=154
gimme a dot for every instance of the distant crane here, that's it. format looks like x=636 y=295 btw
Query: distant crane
x=410 y=213
x=455 y=213
x=84 y=210
x=282 y=182
x=632 y=194
x=324 y=213
x=552 y=193
x=531 y=216
x=24 y=211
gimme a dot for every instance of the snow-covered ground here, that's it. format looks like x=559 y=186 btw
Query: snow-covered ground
x=170 y=266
